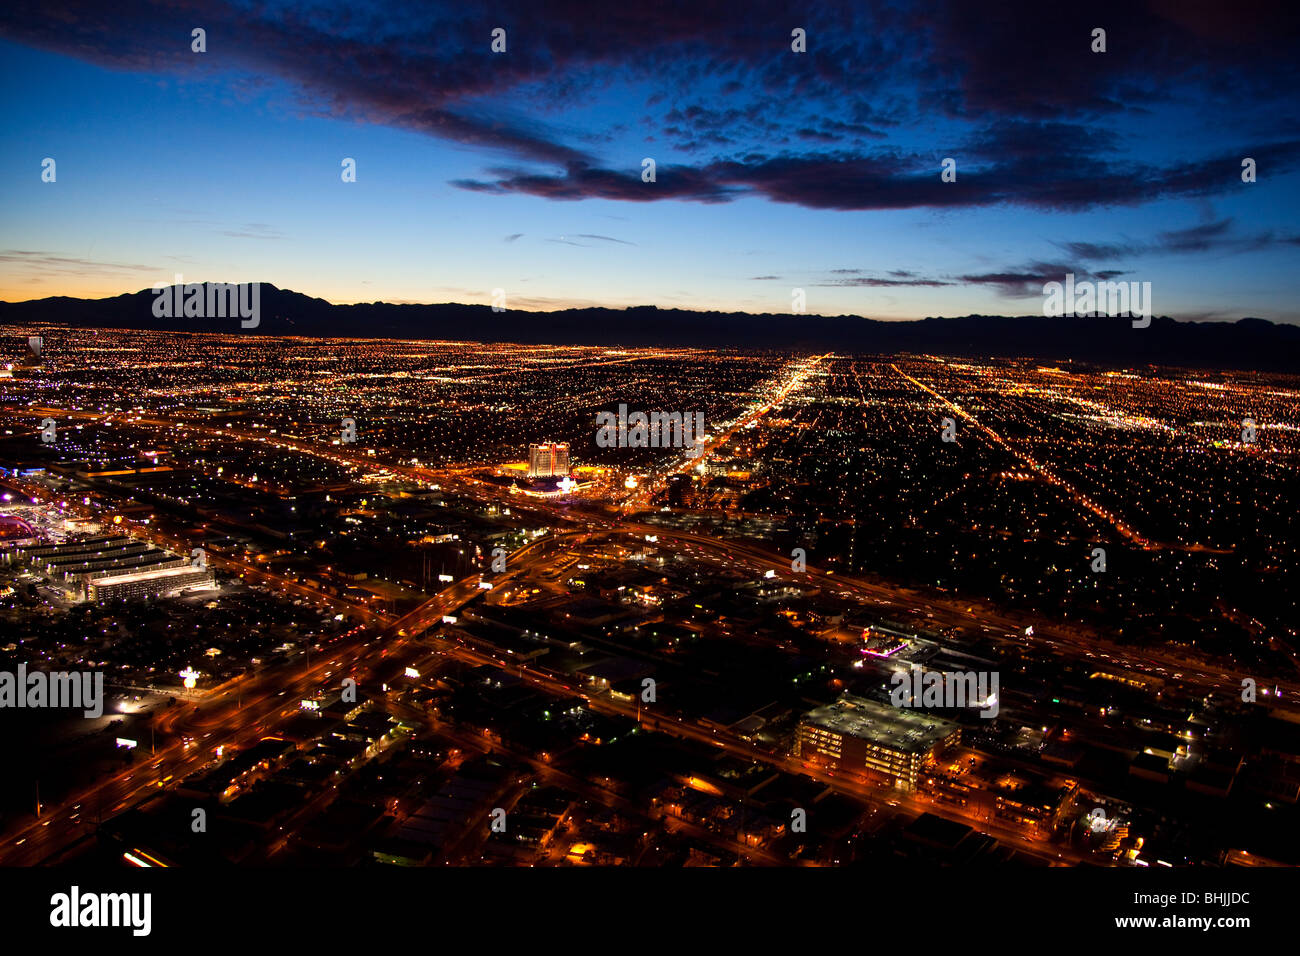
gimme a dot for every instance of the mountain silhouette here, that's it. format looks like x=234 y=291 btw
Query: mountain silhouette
x=1248 y=343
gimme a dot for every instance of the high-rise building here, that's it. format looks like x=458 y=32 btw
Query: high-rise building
x=548 y=460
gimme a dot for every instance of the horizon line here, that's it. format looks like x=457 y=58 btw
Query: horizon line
x=674 y=308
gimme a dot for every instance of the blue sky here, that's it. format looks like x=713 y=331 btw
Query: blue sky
x=775 y=170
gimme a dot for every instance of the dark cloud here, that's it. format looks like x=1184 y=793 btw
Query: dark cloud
x=587 y=235
x=586 y=182
x=1037 y=118
x=890 y=180
x=490 y=134
x=1197 y=238
x=1213 y=236
x=1032 y=59
x=875 y=282
x=47 y=263
x=1028 y=280
x=1098 y=251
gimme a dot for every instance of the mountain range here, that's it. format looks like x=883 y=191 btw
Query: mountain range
x=1246 y=343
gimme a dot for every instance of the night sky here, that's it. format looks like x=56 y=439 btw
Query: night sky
x=775 y=169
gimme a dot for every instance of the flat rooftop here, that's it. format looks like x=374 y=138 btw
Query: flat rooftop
x=898 y=728
x=160 y=575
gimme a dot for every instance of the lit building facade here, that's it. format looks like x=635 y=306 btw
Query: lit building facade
x=860 y=734
x=548 y=460
x=148 y=583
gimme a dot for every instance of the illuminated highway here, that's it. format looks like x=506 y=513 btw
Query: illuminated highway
x=243 y=711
